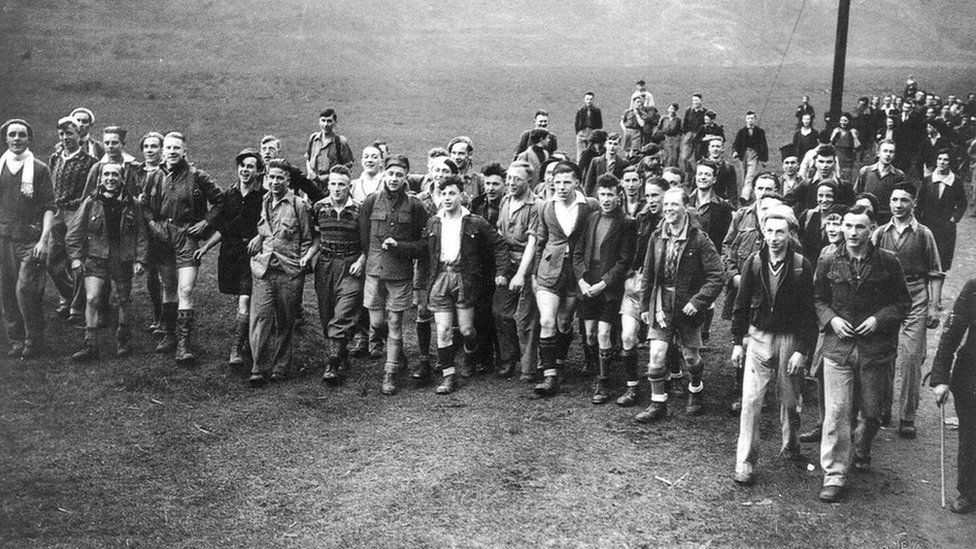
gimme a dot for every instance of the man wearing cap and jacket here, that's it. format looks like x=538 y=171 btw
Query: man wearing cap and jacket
x=26 y=216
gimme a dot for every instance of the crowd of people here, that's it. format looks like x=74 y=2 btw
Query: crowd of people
x=832 y=267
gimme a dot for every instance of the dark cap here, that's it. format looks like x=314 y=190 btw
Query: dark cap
x=397 y=160
x=249 y=152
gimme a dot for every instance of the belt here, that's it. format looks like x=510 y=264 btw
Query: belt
x=448 y=267
x=914 y=278
x=340 y=249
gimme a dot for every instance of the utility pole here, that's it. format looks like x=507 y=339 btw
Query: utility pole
x=840 y=60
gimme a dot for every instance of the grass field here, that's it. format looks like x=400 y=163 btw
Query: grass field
x=142 y=453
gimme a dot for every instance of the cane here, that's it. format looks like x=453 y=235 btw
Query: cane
x=942 y=449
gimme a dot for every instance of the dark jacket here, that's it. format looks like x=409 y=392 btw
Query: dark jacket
x=646 y=223
x=554 y=249
x=616 y=253
x=756 y=142
x=880 y=292
x=936 y=212
x=790 y=312
x=87 y=234
x=476 y=260
x=955 y=365
x=237 y=224
x=714 y=217
x=596 y=119
x=161 y=204
x=698 y=279
x=397 y=215
x=598 y=167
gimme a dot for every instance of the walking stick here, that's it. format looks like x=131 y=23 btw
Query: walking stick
x=942 y=449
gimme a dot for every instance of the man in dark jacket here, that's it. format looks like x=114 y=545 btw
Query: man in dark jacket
x=175 y=206
x=861 y=300
x=752 y=150
x=959 y=376
x=601 y=262
x=774 y=329
x=461 y=249
x=681 y=278
x=108 y=237
x=588 y=118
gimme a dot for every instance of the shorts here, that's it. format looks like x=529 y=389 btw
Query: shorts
x=448 y=293
x=110 y=268
x=630 y=304
x=599 y=308
x=171 y=245
x=687 y=336
x=394 y=296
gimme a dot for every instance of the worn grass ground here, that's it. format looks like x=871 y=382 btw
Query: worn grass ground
x=140 y=452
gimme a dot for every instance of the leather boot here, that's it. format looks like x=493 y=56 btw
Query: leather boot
x=168 y=342
x=629 y=398
x=547 y=360
x=696 y=403
x=389 y=384
x=331 y=374
x=87 y=351
x=468 y=357
x=629 y=360
x=184 y=331
x=601 y=393
x=240 y=340
x=659 y=402
x=657 y=410
x=446 y=385
x=590 y=353
x=124 y=337
x=506 y=370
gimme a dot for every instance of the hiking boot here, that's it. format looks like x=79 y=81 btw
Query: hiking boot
x=654 y=412
x=446 y=386
x=389 y=386
x=695 y=406
x=601 y=395
x=548 y=387
x=629 y=398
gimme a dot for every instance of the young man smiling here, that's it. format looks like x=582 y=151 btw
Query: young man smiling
x=601 y=261
x=461 y=257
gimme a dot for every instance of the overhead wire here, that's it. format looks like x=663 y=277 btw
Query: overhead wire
x=779 y=68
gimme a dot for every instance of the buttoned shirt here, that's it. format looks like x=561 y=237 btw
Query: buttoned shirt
x=451 y=235
x=915 y=248
x=322 y=153
x=871 y=179
x=516 y=217
x=286 y=231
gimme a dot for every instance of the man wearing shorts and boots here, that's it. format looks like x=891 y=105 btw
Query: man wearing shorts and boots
x=391 y=232
x=682 y=276
x=108 y=237
x=175 y=206
x=601 y=261
x=560 y=226
x=461 y=247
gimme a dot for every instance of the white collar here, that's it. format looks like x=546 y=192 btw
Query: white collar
x=443 y=213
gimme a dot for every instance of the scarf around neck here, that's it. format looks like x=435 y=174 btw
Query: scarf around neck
x=14 y=162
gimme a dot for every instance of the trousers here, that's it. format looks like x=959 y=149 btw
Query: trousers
x=767 y=357
x=275 y=299
x=21 y=291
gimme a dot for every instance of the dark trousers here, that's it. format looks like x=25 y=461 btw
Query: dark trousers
x=21 y=291
x=340 y=296
x=966 y=410
x=275 y=300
